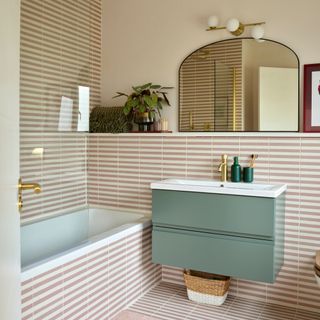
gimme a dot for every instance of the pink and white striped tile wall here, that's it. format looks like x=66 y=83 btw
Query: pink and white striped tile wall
x=58 y=163
x=60 y=51
x=121 y=167
x=95 y=286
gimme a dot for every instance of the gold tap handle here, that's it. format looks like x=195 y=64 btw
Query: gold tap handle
x=26 y=186
x=224 y=160
x=223 y=167
x=224 y=157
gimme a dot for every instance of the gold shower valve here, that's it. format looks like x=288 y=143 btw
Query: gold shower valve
x=26 y=186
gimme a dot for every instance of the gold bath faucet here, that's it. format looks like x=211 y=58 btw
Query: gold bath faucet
x=223 y=168
x=26 y=186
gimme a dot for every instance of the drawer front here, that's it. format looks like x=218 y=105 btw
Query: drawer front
x=237 y=215
x=241 y=258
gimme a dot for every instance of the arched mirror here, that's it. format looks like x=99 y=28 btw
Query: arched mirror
x=240 y=85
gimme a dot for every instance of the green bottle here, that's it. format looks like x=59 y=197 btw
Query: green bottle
x=236 y=170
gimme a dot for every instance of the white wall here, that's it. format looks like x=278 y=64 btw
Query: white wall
x=9 y=161
x=265 y=54
x=146 y=40
x=277 y=97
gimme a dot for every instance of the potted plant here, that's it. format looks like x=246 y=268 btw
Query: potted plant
x=144 y=103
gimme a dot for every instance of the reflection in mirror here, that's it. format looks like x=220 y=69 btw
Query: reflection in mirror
x=239 y=85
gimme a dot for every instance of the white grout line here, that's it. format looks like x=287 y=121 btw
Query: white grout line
x=299 y=228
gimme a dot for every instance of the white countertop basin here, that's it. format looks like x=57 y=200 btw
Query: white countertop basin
x=214 y=186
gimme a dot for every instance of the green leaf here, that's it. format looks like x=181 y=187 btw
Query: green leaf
x=167 y=88
x=131 y=103
x=146 y=86
x=120 y=94
x=126 y=109
x=152 y=114
x=137 y=89
x=155 y=86
x=135 y=102
x=166 y=99
x=142 y=108
x=154 y=98
x=148 y=101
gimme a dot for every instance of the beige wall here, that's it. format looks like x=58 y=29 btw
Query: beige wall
x=146 y=40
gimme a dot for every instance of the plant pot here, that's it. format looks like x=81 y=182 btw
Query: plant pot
x=144 y=120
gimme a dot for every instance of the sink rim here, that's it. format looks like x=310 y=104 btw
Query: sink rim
x=220 y=184
x=215 y=186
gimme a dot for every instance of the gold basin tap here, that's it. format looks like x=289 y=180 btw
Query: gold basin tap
x=223 y=168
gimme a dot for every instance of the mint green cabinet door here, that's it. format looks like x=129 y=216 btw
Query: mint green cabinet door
x=243 y=258
x=227 y=214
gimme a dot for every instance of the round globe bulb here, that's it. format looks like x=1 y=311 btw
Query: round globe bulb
x=213 y=21
x=257 y=32
x=233 y=24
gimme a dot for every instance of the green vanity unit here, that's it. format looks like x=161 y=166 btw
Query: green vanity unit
x=234 y=229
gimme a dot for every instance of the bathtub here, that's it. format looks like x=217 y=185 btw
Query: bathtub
x=89 y=264
x=50 y=242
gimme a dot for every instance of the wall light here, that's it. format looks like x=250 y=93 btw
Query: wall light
x=236 y=28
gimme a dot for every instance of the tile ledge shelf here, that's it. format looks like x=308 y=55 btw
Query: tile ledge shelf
x=186 y=134
x=219 y=134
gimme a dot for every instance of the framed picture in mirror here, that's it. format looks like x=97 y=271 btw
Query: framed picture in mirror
x=312 y=97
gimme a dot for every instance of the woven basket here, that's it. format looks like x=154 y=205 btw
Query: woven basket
x=206 y=287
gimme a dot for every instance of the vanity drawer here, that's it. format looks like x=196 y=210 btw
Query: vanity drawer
x=238 y=257
x=226 y=214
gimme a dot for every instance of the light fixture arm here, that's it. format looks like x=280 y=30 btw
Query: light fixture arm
x=244 y=24
x=215 y=28
x=253 y=24
x=239 y=30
